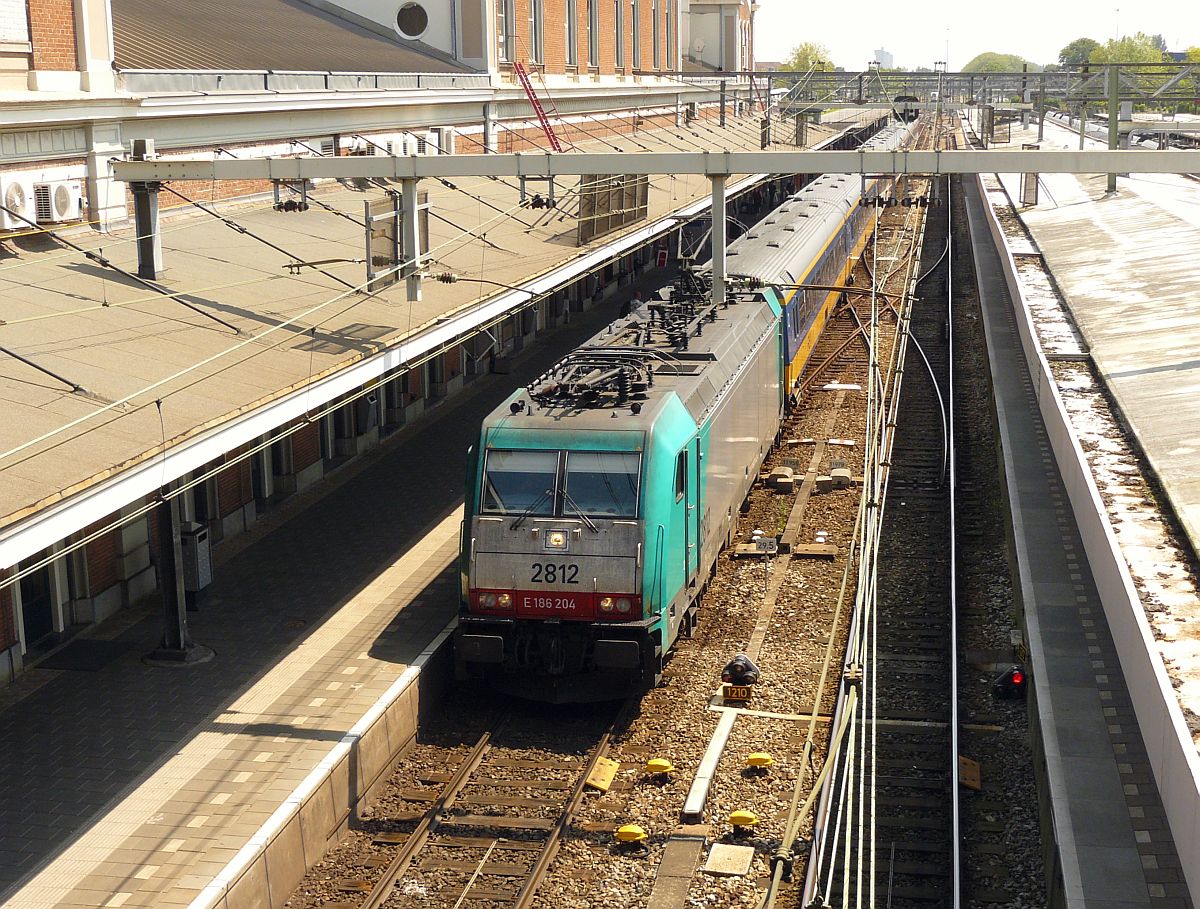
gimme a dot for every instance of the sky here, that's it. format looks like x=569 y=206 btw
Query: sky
x=920 y=33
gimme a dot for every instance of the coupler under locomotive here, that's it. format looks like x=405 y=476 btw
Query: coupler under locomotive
x=558 y=662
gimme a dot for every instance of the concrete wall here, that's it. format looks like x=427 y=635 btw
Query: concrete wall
x=320 y=810
x=1169 y=745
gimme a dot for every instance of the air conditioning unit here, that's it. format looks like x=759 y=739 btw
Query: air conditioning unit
x=61 y=201
x=16 y=193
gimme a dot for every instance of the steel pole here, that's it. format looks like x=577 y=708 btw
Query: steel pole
x=719 y=239
x=1114 y=116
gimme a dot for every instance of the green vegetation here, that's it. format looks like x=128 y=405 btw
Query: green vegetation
x=990 y=62
x=1139 y=48
x=808 y=56
x=1078 y=51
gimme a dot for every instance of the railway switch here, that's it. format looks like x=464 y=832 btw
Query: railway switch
x=1011 y=683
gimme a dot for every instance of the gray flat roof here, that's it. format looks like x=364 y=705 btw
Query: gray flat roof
x=121 y=341
x=259 y=35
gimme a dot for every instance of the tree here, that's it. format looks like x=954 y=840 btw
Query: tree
x=808 y=56
x=1078 y=51
x=1160 y=42
x=989 y=62
x=1139 y=48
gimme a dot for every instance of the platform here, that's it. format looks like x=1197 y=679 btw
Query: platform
x=1110 y=845
x=137 y=786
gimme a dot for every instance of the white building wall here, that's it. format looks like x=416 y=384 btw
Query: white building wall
x=441 y=13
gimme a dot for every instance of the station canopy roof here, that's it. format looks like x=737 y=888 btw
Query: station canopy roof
x=133 y=351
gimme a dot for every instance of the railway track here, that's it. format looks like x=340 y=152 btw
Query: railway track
x=913 y=776
x=481 y=825
x=888 y=834
x=478 y=815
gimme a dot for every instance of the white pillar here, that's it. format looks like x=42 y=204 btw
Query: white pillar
x=411 y=252
x=94 y=45
x=106 y=196
x=719 y=240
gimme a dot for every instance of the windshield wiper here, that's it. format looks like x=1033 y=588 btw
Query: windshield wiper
x=533 y=506
x=579 y=511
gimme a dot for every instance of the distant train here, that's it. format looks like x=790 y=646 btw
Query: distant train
x=599 y=497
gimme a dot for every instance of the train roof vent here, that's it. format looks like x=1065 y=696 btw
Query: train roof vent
x=773 y=244
x=751 y=236
x=771 y=221
x=790 y=228
x=813 y=205
x=678 y=369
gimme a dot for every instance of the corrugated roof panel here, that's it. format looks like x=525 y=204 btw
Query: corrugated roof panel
x=258 y=35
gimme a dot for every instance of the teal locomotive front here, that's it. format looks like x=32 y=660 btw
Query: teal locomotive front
x=565 y=594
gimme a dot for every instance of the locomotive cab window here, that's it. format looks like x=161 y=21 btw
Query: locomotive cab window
x=519 y=482
x=681 y=474
x=601 y=484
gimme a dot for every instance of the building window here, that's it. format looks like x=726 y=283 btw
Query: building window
x=656 y=31
x=671 y=34
x=536 y=20
x=637 y=34
x=572 y=33
x=619 y=19
x=506 y=33
x=593 y=32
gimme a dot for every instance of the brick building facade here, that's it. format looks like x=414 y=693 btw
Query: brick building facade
x=52 y=34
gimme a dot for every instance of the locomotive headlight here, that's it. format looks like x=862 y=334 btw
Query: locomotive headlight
x=607 y=604
x=487 y=600
x=504 y=601
x=623 y=605
x=556 y=539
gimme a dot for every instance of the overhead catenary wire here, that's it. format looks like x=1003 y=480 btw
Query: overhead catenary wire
x=108 y=263
x=242 y=229
x=197 y=365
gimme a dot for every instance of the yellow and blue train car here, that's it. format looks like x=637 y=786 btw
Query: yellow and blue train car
x=599 y=498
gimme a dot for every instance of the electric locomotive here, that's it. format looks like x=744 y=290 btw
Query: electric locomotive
x=599 y=497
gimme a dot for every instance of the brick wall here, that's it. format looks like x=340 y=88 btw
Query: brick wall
x=52 y=34
x=554 y=35
x=531 y=138
x=234 y=486
x=102 y=558
x=206 y=191
x=8 y=621
x=306 y=446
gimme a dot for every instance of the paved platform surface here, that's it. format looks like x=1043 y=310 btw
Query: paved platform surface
x=1116 y=850
x=134 y=786
x=1129 y=266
